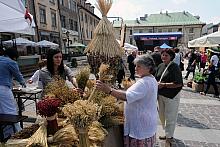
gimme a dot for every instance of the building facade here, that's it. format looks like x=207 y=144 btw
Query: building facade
x=87 y=21
x=156 y=29
x=47 y=20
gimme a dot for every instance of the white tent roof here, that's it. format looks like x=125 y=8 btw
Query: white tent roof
x=20 y=41
x=12 y=18
x=45 y=43
x=77 y=44
x=209 y=40
x=128 y=46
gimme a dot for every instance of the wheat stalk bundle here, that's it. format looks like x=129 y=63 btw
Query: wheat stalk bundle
x=103 y=48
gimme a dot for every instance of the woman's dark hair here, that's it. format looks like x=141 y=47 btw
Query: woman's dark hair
x=170 y=52
x=11 y=53
x=50 y=63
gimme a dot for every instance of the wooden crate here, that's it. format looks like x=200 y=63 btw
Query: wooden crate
x=197 y=87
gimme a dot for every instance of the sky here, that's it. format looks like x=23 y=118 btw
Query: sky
x=208 y=10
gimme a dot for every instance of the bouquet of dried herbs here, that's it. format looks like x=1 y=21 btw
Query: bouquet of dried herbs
x=60 y=90
x=82 y=77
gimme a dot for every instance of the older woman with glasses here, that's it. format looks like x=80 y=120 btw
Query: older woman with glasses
x=140 y=104
x=170 y=83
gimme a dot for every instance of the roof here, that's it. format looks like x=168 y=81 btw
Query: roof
x=163 y=19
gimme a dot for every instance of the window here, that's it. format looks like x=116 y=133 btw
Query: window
x=86 y=18
x=81 y=16
x=131 y=32
x=63 y=22
x=72 y=5
x=190 y=37
x=71 y=24
x=159 y=30
x=90 y=20
x=150 y=30
x=75 y=26
x=131 y=40
x=62 y=2
x=191 y=30
x=141 y=31
x=42 y=12
x=53 y=19
x=91 y=34
x=180 y=30
x=170 y=30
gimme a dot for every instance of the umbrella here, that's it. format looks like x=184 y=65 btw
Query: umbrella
x=14 y=18
x=165 y=46
x=77 y=44
x=45 y=43
x=20 y=41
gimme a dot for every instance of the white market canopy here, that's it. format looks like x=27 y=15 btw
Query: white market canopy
x=12 y=18
x=210 y=40
x=76 y=44
x=128 y=46
x=45 y=43
x=20 y=41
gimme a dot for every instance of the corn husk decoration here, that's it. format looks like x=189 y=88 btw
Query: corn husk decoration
x=104 y=48
x=39 y=137
x=81 y=114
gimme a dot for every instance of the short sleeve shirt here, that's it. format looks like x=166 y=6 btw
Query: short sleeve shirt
x=141 y=109
x=172 y=74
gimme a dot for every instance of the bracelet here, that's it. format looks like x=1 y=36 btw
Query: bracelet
x=110 y=91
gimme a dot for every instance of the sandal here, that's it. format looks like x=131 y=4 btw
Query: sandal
x=202 y=93
x=169 y=142
x=162 y=137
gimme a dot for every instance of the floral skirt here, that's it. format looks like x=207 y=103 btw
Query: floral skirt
x=132 y=142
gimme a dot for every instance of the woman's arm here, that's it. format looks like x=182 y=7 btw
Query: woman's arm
x=119 y=94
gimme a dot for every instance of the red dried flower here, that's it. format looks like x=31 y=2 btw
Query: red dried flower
x=48 y=107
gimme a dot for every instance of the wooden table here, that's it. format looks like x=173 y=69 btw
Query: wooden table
x=26 y=94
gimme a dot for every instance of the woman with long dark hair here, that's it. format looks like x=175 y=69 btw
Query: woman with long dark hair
x=55 y=67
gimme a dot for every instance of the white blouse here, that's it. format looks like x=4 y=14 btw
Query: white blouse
x=141 y=109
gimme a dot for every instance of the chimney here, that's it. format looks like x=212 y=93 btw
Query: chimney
x=197 y=17
x=167 y=13
x=146 y=15
x=137 y=20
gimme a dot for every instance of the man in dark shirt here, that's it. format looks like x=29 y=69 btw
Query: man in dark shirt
x=156 y=55
x=131 y=65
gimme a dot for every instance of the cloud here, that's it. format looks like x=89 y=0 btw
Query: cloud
x=178 y=2
x=214 y=20
x=126 y=9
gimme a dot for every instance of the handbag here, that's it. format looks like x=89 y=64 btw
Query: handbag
x=191 y=68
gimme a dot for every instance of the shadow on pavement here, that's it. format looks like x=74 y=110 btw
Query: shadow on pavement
x=188 y=122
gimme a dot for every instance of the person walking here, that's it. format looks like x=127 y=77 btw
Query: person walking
x=170 y=83
x=213 y=69
x=141 y=104
x=8 y=70
x=191 y=64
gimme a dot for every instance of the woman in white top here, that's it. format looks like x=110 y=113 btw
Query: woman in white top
x=140 y=105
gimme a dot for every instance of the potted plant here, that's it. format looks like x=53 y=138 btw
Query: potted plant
x=198 y=82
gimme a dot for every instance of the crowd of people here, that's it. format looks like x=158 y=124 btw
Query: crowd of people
x=158 y=74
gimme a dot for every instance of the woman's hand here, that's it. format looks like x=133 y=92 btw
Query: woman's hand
x=102 y=86
x=78 y=90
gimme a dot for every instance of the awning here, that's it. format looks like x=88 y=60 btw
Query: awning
x=158 y=36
